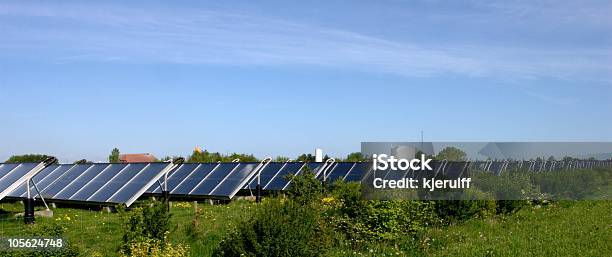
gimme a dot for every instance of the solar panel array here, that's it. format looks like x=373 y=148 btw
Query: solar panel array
x=99 y=182
x=14 y=174
x=218 y=180
x=123 y=183
x=275 y=175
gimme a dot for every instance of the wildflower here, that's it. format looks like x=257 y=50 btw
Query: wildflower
x=328 y=200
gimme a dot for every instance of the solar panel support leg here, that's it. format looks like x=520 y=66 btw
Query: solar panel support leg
x=166 y=196
x=28 y=217
x=258 y=196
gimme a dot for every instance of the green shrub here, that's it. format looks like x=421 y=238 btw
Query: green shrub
x=362 y=222
x=278 y=228
x=156 y=248
x=512 y=190
x=305 y=188
x=572 y=184
x=476 y=204
x=149 y=221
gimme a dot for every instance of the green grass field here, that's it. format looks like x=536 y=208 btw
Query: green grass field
x=582 y=228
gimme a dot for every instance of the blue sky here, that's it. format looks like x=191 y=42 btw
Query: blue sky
x=277 y=78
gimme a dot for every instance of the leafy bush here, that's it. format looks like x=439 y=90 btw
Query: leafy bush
x=305 y=188
x=572 y=184
x=363 y=221
x=283 y=227
x=278 y=228
x=473 y=206
x=513 y=190
x=156 y=248
x=149 y=221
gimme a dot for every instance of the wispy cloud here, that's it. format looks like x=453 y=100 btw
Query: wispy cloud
x=551 y=98
x=72 y=33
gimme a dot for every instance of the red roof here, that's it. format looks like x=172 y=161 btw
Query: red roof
x=137 y=157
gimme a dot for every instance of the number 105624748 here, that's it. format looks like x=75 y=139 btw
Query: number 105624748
x=33 y=243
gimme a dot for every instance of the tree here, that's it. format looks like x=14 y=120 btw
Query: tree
x=281 y=159
x=114 y=156
x=241 y=157
x=451 y=154
x=204 y=156
x=306 y=158
x=355 y=157
x=28 y=158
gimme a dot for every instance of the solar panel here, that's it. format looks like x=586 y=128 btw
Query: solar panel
x=267 y=174
x=174 y=178
x=234 y=181
x=66 y=178
x=99 y=182
x=80 y=181
x=197 y=173
x=136 y=183
x=217 y=180
x=279 y=182
x=13 y=175
x=360 y=170
x=455 y=169
x=496 y=168
x=339 y=171
x=213 y=179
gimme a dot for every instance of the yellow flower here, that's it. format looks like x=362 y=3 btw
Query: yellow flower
x=328 y=200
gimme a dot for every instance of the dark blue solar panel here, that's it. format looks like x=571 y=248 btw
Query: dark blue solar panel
x=496 y=167
x=214 y=178
x=196 y=176
x=21 y=191
x=235 y=180
x=267 y=174
x=339 y=171
x=12 y=175
x=455 y=169
x=116 y=182
x=52 y=176
x=357 y=173
x=6 y=167
x=80 y=181
x=97 y=182
x=136 y=183
x=62 y=181
x=174 y=178
x=280 y=179
x=316 y=167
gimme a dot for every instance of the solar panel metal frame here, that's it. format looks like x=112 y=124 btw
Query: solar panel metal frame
x=169 y=166
x=205 y=179
x=23 y=179
x=286 y=182
x=245 y=181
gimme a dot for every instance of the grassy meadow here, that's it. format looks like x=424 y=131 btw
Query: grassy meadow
x=577 y=228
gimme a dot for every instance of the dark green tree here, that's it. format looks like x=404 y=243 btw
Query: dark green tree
x=355 y=157
x=27 y=158
x=451 y=154
x=306 y=158
x=114 y=156
x=281 y=159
